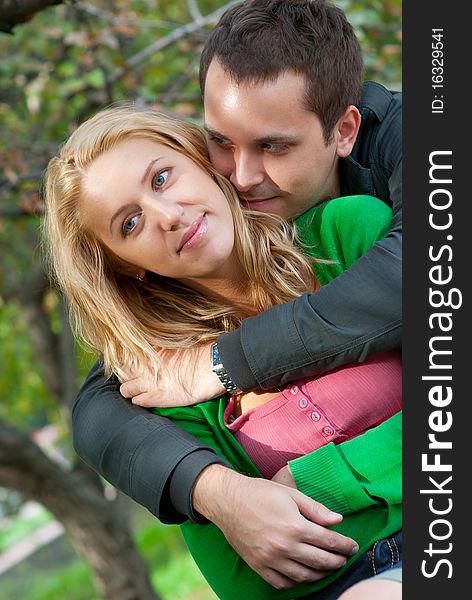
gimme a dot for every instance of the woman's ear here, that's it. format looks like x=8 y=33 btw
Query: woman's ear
x=124 y=268
x=132 y=271
x=346 y=131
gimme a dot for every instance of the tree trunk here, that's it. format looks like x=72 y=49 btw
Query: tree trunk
x=93 y=525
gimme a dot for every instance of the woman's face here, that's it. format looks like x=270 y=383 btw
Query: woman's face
x=158 y=211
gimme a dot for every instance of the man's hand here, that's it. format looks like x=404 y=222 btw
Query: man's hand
x=285 y=477
x=278 y=531
x=185 y=378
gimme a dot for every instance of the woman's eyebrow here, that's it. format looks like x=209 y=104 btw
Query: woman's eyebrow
x=149 y=167
x=120 y=211
x=143 y=180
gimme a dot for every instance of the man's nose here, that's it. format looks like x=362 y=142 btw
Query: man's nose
x=248 y=171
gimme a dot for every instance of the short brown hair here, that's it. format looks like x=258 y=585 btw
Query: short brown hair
x=257 y=40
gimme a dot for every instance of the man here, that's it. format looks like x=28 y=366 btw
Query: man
x=286 y=123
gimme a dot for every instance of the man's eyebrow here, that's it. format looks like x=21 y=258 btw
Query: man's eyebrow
x=276 y=138
x=214 y=132
x=272 y=138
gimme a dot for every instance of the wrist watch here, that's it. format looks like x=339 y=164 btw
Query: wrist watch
x=218 y=368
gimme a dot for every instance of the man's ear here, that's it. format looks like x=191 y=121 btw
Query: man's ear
x=346 y=131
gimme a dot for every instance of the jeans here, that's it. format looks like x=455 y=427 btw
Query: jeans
x=384 y=554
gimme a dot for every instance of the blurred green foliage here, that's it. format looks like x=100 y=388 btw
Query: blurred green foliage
x=24 y=397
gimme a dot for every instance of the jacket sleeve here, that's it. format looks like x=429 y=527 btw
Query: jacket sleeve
x=356 y=314
x=142 y=454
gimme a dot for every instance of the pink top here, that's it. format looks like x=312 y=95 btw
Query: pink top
x=309 y=413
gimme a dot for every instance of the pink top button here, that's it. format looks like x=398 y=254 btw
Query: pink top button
x=294 y=390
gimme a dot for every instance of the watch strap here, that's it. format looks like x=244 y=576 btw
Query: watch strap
x=219 y=370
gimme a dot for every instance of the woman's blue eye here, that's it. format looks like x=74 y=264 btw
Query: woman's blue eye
x=130 y=224
x=160 y=179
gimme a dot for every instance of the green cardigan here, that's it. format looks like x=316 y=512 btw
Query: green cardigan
x=360 y=478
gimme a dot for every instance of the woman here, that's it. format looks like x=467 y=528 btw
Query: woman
x=152 y=249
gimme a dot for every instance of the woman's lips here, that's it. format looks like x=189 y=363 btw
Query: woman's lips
x=195 y=233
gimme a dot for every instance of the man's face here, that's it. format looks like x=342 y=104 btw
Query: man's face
x=272 y=149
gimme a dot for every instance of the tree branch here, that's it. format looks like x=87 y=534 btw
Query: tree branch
x=193 y=9
x=14 y=12
x=96 y=529
x=169 y=39
x=94 y=11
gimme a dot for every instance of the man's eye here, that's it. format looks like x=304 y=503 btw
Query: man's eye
x=130 y=224
x=160 y=179
x=220 y=141
x=275 y=148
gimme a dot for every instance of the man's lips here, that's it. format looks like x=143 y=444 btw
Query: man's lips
x=194 y=233
x=257 y=202
x=250 y=199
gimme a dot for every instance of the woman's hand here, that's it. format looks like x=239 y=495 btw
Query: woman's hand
x=186 y=378
x=285 y=477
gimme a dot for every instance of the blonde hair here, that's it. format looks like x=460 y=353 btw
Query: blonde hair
x=131 y=321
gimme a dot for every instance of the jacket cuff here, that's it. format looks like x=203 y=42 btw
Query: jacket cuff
x=183 y=478
x=234 y=360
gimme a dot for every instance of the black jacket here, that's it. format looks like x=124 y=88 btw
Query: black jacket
x=359 y=312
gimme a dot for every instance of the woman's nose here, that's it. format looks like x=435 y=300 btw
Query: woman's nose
x=168 y=215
